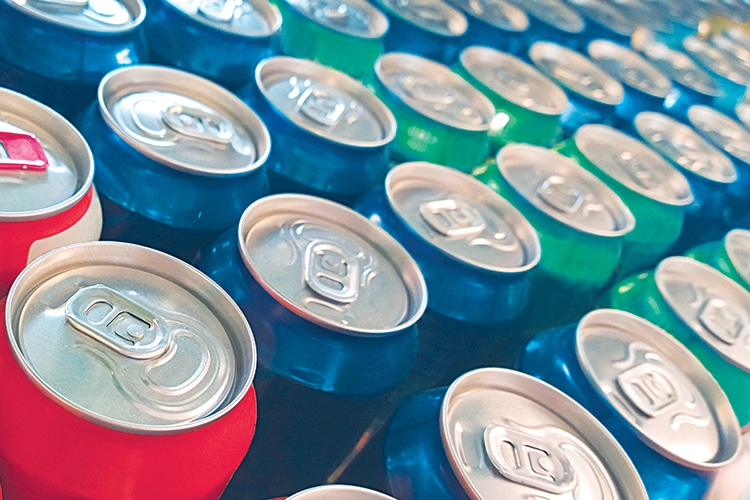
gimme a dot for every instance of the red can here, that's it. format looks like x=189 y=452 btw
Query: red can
x=47 y=199
x=129 y=374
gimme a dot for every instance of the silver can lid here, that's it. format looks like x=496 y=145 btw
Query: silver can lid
x=46 y=166
x=633 y=164
x=659 y=388
x=679 y=67
x=514 y=80
x=576 y=73
x=714 y=306
x=737 y=245
x=462 y=218
x=738 y=36
x=130 y=338
x=339 y=492
x=645 y=13
x=685 y=147
x=723 y=132
x=331 y=266
x=249 y=18
x=505 y=431
x=606 y=15
x=498 y=13
x=183 y=121
x=433 y=90
x=630 y=68
x=357 y=18
x=554 y=13
x=435 y=16
x=715 y=60
x=325 y=102
x=563 y=190
x=95 y=17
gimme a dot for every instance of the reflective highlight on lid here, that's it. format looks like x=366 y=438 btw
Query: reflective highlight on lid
x=680 y=68
x=99 y=17
x=555 y=13
x=629 y=67
x=354 y=17
x=715 y=60
x=435 y=16
x=606 y=15
x=722 y=131
x=498 y=13
x=251 y=18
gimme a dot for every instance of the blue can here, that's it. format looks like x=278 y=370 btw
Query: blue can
x=654 y=396
x=220 y=40
x=474 y=249
x=553 y=21
x=494 y=23
x=176 y=151
x=56 y=52
x=331 y=135
x=496 y=433
x=604 y=20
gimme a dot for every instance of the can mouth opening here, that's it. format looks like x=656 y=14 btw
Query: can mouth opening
x=136 y=9
x=655 y=83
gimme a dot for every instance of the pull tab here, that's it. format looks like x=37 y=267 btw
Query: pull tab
x=21 y=152
x=648 y=388
x=426 y=90
x=722 y=320
x=528 y=460
x=558 y=194
x=221 y=11
x=197 y=124
x=331 y=273
x=638 y=171
x=322 y=106
x=452 y=218
x=117 y=322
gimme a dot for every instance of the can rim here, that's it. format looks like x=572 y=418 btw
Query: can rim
x=700 y=113
x=516 y=18
x=596 y=7
x=339 y=492
x=377 y=18
x=601 y=48
x=655 y=51
x=453 y=15
x=731 y=248
x=704 y=54
x=269 y=12
x=574 y=19
x=136 y=7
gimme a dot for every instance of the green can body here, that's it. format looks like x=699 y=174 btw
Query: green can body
x=714 y=253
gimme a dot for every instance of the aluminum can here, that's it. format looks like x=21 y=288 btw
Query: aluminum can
x=344 y=34
x=604 y=20
x=592 y=93
x=553 y=21
x=528 y=105
x=220 y=40
x=115 y=350
x=178 y=158
x=500 y=433
x=47 y=198
x=441 y=118
x=57 y=51
x=730 y=255
x=645 y=86
x=331 y=136
x=646 y=13
x=581 y=224
x=427 y=28
x=732 y=481
x=339 y=492
x=705 y=311
x=654 y=191
x=494 y=23
x=639 y=381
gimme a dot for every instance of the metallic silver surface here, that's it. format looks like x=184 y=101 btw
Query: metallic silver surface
x=249 y=18
x=722 y=131
x=435 y=16
x=737 y=245
x=97 y=17
x=498 y=13
x=354 y=17
x=630 y=68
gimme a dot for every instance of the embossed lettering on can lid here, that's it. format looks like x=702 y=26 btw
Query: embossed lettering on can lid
x=576 y=73
x=659 y=388
x=183 y=121
x=462 y=218
x=503 y=430
x=633 y=164
x=95 y=17
x=630 y=68
x=130 y=338
x=564 y=191
x=606 y=15
x=339 y=492
x=723 y=132
x=554 y=13
x=514 y=80
x=435 y=16
x=714 y=306
x=498 y=13
x=27 y=194
x=433 y=90
x=325 y=102
x=680 y=68
x=249 y=18
x=715 y=60
x=357 y=18
x=331 y=266
x=737 y=245
x=685 y=147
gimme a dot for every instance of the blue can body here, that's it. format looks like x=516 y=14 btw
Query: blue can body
x=581 y=111
x=403 y=36
x=542 y=30
x=682 y=97
x=634 y=102
x=512 y=38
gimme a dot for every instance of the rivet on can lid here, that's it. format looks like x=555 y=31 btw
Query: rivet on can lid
x=737 y=245
x=498 y=13
x=721 y=130
x=554 y=13
x=435 y=16
x=357 y=18
x=630 y=68
x=97 y=17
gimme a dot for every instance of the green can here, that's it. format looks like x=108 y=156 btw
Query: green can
x=654 y=190
x=730 y=255
x=705 y=310
x=343 y=34
x=440 y=117
x=527 y=104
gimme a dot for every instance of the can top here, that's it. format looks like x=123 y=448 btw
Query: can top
x=498 y=13
x=325 y=102
x=31 y=133
x=680 y=68
x=564 y=191
x=339 y=492
x=630 y=68
x=514 y=80
x=715 y=60
x=554 y=13
x=659 y=388
x=725 y=133
x=94 y=17
x=357 y=18
x=248 y=18
x=737 y=245
x=503 y=430
x=713 y=306
x=633 y=164
x=183 y=121
x=433 y=90
x=606 y=15
x=684 y=147
x=462 y=218
x=435 y=16
x=576 y=73
x=645 y=13
x=331 y=266
x=130 y=338
x=738 y=36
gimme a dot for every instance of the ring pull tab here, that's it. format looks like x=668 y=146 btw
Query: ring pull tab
x=117 y=322
x=648 y=388
x=21 y=152
x=722 y=320
x=322 y=106
x=426 y=90
x=331 y=273
x=221 y=11
x=198 y=124
x=452 y=218
x=561 y=196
